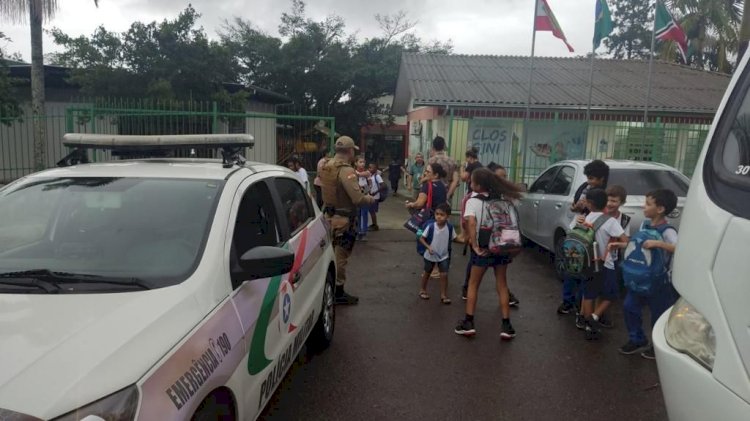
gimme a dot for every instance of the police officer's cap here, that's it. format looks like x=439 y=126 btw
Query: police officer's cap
x=345 y=142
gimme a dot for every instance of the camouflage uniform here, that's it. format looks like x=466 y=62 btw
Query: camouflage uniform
x=341 y=199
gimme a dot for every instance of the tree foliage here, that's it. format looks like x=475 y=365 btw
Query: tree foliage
x=9 y=107
x=319 y=65
x=632 y=36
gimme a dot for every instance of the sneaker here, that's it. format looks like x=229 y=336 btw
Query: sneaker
x=343 y=298
x=513 y=302
x=464 y=293
x=465 y=328
x=649 y=354
x=373 y=227
x=507 y=332
x=565 y=308
x=592 y=332
x=580 y=321
x=605 y=322
x=631 y=348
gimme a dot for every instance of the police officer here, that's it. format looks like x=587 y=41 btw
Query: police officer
x=341 y=198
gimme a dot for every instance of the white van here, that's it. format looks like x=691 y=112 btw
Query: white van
x=157 y=289
x=703 y=343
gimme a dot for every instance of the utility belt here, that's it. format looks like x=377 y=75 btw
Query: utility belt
x=331 y=211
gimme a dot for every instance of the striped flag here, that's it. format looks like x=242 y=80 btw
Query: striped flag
x=666 y=28
x=545 y=21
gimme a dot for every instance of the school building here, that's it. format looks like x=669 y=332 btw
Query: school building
x=482 y=101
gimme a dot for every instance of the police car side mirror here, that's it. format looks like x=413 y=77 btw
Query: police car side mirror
x=265 y=262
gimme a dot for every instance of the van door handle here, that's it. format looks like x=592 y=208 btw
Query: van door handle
x=322 y=243
x=558 y=205
x=536 y=203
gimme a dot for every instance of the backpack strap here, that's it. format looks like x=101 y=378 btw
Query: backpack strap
x=601 y=220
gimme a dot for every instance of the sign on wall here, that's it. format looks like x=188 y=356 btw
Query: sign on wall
x=493 y=139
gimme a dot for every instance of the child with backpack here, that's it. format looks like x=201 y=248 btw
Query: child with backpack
x=494 y=239
x=597 y=174
x=648 y=284
x=434 y=245
x=378 y=189
x=585 y=254
x=616 y=196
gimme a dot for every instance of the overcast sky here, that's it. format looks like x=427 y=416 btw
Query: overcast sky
x=498 y=27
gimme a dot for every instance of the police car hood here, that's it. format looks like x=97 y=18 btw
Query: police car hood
x=60 y=352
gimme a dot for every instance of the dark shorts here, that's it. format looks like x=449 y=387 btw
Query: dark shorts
x=374 y=207
x=442 y=266
x=488 y=261
x=611 y=287
x=594 y=286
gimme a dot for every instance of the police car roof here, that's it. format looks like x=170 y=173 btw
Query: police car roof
x=158 y=168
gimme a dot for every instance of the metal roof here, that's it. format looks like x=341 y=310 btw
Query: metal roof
x=559 y=83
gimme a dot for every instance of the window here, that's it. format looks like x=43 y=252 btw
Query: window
x=257 y=222
x=295 y=202
x=148 y=228
x=561 y=184
x=640 y=182
x=541 y=183
x=727 y=164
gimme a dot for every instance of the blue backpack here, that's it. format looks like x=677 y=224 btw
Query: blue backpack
x=646 y=271
x=430 y=225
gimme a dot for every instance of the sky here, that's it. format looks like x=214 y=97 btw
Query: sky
x=494 y=27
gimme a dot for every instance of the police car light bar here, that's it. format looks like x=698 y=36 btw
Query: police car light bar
x=155 y=146
x=159 y=142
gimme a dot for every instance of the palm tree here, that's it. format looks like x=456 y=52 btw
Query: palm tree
x=37 y=12
x=713 y=29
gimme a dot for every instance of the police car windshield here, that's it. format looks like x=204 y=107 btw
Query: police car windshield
x=152 y=229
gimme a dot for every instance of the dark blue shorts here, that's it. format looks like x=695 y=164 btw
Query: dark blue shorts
x=489 y=261
x=443 y=266
x=611 y=287
x=593 y=286
x=375 y=206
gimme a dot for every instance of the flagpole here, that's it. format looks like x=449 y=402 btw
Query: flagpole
x=650 y=72
x=591 y=89
x=527 y=118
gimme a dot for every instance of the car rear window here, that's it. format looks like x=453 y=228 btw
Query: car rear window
x=638 y=182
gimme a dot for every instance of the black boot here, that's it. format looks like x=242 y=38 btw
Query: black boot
x=344 y=298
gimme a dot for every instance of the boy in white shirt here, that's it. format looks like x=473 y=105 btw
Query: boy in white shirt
x=593 y=287
x=377 y=185
x=295 y=165
x=437 y=238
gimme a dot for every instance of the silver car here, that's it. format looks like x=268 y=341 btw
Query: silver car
x=544 y=210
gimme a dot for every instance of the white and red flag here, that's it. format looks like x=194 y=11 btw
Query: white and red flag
x=545 y=21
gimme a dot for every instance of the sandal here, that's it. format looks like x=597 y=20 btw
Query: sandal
x=423 y=295
x=445 y=300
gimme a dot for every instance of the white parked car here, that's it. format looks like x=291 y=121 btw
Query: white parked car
x=544 y=211
x=702 y=344
x=157 y=289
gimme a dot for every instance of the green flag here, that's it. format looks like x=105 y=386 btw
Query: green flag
x=604 y=25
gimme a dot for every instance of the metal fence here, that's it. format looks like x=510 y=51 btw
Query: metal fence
x=277 y=136
x=553 y=137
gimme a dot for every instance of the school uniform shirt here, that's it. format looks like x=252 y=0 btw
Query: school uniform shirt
x=364 y=183
x=608 y=230
x=441 y=240
x=416 y=173
x=476 y=207
x=611 y=258
x=375 y=183
x=439 y=192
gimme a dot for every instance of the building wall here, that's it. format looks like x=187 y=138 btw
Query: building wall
x=264 y=131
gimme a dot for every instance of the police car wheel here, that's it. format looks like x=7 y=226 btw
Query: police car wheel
x=218 y=406
x=322 y=334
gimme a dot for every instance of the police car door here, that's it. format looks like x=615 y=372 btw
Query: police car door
x=257 y=223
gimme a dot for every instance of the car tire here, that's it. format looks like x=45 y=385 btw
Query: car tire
x=322 y=334
x=218 y=406
x=557 y=259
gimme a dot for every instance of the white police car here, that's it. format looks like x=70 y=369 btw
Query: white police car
x=160 y=288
